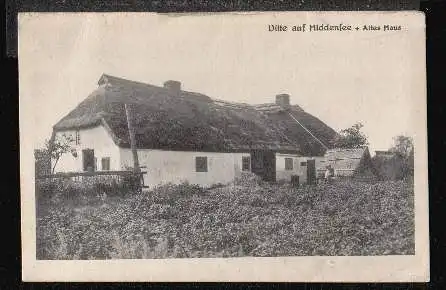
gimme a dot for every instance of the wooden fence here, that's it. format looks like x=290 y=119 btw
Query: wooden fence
x=98 y=176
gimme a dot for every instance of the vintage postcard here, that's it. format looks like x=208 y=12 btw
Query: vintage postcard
x=285 y=146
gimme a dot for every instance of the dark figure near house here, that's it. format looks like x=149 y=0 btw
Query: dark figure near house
x=329 y=174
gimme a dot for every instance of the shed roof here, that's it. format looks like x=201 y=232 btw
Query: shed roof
x=338 y=154
x=385 y=153
x=194 y=121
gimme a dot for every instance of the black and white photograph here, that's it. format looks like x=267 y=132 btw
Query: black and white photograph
x=178 y=138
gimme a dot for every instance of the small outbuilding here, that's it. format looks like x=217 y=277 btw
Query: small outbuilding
x=354 y=163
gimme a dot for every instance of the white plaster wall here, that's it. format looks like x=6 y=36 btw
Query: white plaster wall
x=96 y=138
x=179 y=166
x=282 y=174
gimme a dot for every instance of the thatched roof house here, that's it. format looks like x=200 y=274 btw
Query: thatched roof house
x=170 y=118
x=355 y=162
x=187 y=136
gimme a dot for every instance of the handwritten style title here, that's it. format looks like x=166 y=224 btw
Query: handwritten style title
x=327 y=27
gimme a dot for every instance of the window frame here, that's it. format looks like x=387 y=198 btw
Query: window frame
x=107 y=162
x=87 y=153
x=201 y=167
x=287 y=163
x=248 y=169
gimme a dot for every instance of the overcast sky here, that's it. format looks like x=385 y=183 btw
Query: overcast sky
x=341 y=78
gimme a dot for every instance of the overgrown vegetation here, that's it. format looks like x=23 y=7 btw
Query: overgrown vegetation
x=247 y=218
x=401 y=164
x=403 y=148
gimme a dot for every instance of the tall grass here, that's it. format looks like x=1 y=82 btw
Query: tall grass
x=247 y=218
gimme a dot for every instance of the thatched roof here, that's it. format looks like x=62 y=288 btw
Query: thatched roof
x=193 y=121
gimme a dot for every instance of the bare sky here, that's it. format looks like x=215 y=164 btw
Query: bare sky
x=340 y=77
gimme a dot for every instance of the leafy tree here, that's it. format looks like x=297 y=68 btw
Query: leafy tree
x=403 y=147
x=57 y=146
x=351 y=137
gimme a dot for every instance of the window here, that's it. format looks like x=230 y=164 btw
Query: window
x=303 y=163
x=246 y=163
x=201 y=164
x=88 y=159
x=78 y=138
x=105 y=163
x=288 y=163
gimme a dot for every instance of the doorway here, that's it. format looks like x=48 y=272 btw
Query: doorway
x=263 y=163
x=88 y=160
x=311 y=171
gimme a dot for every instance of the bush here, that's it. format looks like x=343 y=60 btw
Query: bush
x=170 y=193
x=78 y=191
x=46 y=188
x=248 y=179
x=397 y=167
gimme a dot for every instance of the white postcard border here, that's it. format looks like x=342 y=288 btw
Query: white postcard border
x=281 y=269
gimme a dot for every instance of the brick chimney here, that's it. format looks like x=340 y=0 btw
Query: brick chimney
x=174 y=87
x=283 y=100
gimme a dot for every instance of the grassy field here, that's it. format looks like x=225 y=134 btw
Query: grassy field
x=244 y=219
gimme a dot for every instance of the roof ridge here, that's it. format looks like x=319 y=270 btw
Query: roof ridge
x=160 y=87
x=105 y=77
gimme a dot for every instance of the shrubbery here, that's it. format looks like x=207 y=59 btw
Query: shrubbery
x=394 y=168
x=170 y=193
x=68 y=189
x=248 y=179
x=248 y=218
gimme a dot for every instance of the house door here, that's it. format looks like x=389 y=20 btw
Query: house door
x=88 y=160
x=311 y=171
x=263 y=163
